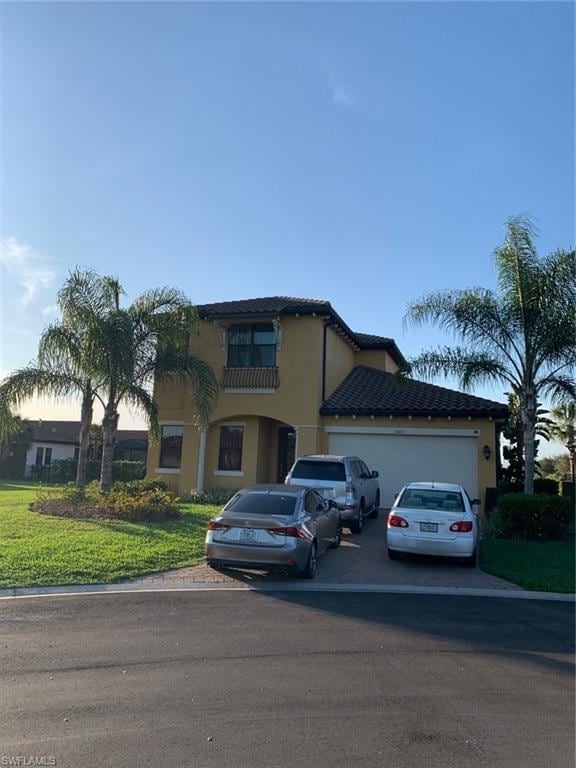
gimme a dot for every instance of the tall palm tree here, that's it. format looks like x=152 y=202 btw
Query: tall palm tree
x=60 y=382
x=522 y=335
x=563 y=428
x=130 y=347
x=64 y=354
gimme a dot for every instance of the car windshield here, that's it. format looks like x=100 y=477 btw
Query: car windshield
x=428 y=498
x=320 y=470
x=263 y=504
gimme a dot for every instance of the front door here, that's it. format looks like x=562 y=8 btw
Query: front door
x=286 y=452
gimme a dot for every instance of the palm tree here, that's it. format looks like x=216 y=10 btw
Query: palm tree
x=129 y=348
x=62 y=370
x=523 y=335
x=563 y=428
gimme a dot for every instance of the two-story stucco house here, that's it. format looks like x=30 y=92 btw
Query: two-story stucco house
x=295 y=379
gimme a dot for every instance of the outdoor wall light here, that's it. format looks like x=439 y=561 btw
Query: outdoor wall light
x=486 y=452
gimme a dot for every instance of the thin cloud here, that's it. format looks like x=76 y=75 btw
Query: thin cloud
x=341 y=96
x=32 y=270
x=50 y=311
x=14 y=329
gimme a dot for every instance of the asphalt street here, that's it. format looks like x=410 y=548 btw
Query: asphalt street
x=253 y=680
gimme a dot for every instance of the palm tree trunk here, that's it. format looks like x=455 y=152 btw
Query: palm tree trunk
x=85 y=424
x=528 y=418
x=109 y=426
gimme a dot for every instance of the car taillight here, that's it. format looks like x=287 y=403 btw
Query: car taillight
x=461 y=526
x=395 y=521
x=295 y=533
x=213 y=526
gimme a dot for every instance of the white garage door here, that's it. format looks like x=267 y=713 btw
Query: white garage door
x=401 y=459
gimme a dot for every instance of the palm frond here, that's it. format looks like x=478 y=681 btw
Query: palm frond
x=33 y=380
x=188 y=368
x=139 y=398
x=465 y=364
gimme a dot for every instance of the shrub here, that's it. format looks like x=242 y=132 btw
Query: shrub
x=491 y=499
x=522 y=516
x=216 y=496
x=140 y=503
x=134 y=501
x=137 y=487
x=567 y=489
x=546 y=485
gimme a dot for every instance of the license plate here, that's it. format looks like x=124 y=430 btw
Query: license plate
x=429 y=527
x=248 y=534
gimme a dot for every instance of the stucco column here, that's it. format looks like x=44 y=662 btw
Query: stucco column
x=201 y=459
x=296 y=443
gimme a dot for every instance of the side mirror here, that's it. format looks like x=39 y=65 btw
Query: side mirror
x=476 y=502
x=374 y=474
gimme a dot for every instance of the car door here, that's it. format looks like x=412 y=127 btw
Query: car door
x=370 y=486
x=357 y=480
x=316 y=508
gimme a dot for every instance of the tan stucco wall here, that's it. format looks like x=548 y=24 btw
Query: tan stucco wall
x=375 y=358
x=339 y=360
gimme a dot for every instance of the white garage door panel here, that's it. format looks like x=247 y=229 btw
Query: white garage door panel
x=401 y=459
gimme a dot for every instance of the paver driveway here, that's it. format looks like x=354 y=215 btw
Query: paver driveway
x=361 y=559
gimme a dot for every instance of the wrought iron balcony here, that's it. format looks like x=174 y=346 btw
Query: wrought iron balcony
x=250 y=378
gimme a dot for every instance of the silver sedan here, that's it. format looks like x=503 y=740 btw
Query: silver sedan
x=273 y=527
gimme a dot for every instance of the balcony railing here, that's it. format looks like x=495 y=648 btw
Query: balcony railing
x=250 y=378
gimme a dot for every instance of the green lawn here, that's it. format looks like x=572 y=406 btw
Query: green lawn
x=547 y=566
x=40 y=550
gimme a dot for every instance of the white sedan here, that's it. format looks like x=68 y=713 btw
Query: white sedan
x=433 y=519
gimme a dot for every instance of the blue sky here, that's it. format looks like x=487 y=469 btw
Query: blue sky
x=360 y=153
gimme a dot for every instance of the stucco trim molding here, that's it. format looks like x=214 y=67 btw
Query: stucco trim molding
x=228 y=473
x=167 y=471
x=415 y=431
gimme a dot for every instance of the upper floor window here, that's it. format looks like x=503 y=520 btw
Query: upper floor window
x=171 y=447
x=252 y=345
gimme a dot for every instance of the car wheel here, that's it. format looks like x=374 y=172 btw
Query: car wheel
x=338 y=540
x=310 y=569
x=358 y=524
x=374 y=514
x=393 y=554
x=470 y=562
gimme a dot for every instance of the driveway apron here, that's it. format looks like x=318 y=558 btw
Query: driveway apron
x=361 y=559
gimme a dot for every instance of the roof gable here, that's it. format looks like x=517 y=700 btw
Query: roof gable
x=272 y=306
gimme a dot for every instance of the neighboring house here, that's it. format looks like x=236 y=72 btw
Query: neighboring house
x=295 y=379
x=56 y=440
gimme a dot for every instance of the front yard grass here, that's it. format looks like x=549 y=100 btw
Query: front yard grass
x=546 y=566
x=39 y=550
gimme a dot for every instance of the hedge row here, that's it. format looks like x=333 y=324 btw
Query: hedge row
x=64 y=471
x=537 y=517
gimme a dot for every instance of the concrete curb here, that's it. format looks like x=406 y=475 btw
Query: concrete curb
x=130 y=587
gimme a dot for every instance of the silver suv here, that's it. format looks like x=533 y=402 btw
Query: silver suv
x=346 y=479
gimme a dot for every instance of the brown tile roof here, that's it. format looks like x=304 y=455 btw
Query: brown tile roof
x=368 y=391
x=69 y=431
x=272 y=305
x=287 y=305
